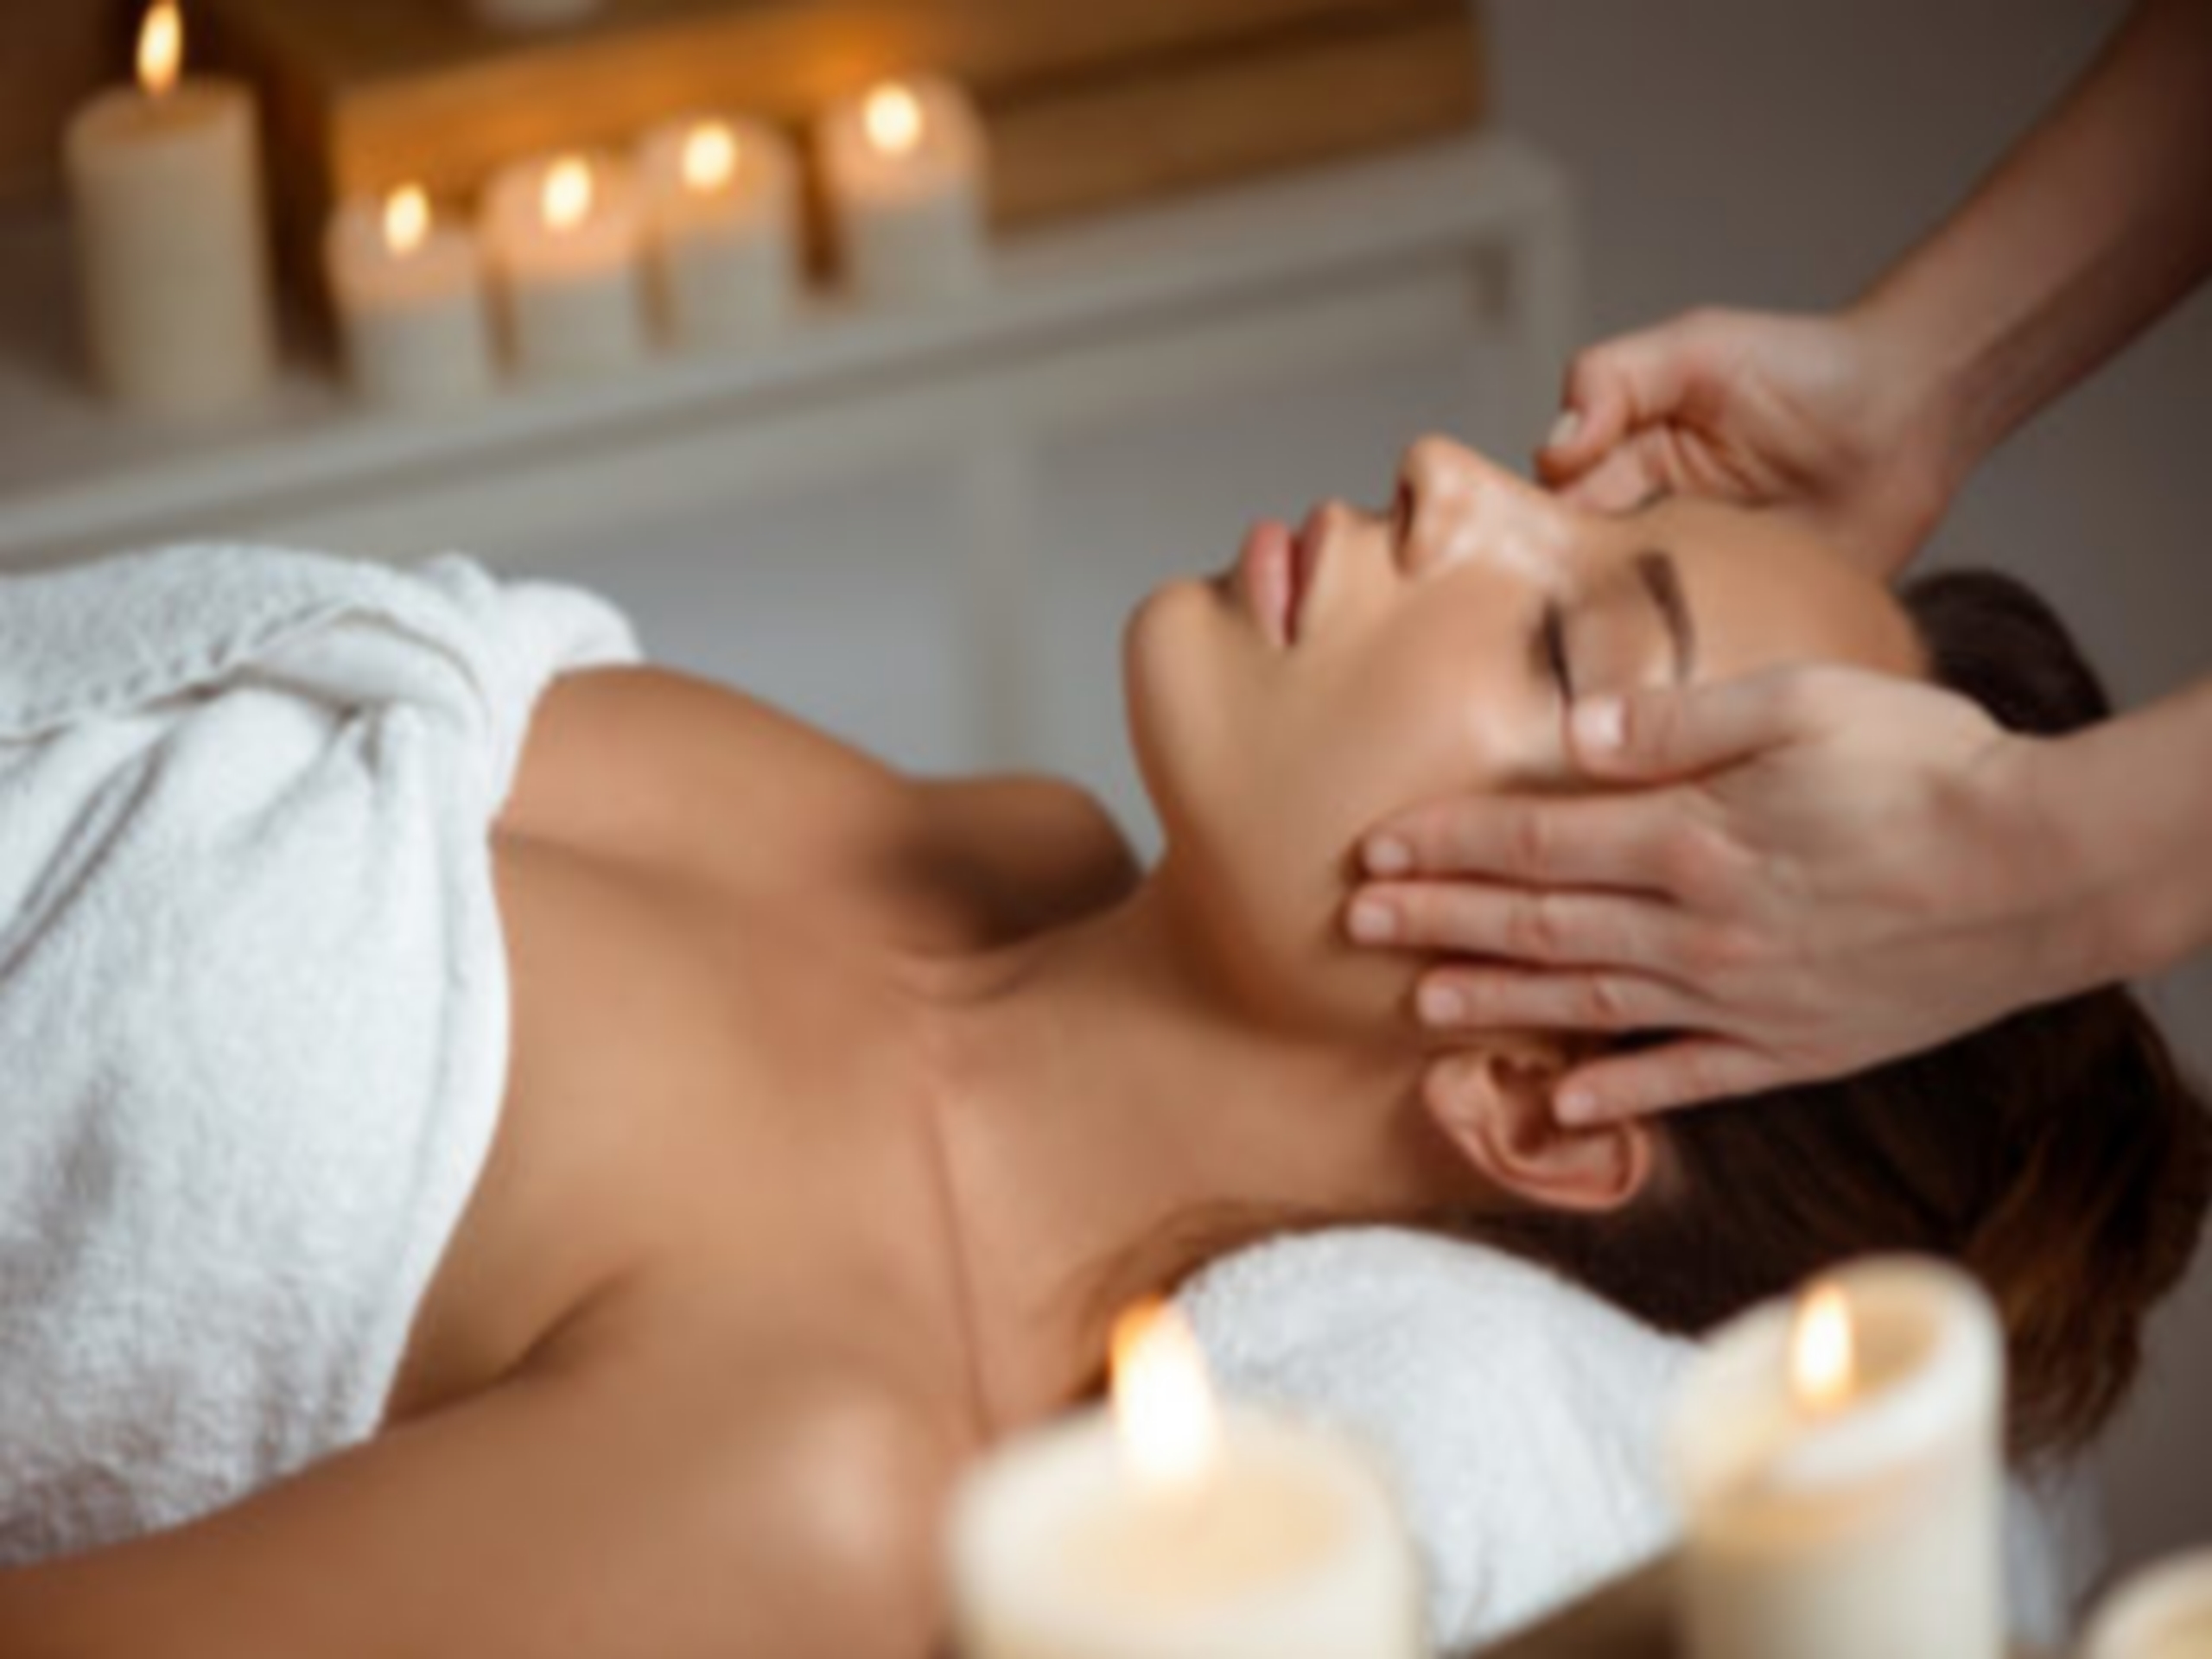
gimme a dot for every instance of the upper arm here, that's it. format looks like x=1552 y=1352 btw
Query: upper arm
x=570 y=1515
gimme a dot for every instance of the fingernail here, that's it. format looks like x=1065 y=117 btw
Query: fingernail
x=1600 y=726
x=1440 y=1005
x=1374 y=922
x=1564 y=428
x=1576 y=1107
x=1388 y=856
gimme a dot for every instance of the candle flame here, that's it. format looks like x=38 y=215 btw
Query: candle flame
x=709 y=157
x=893 y=118
x=1822 y=1362
x=566 y=200
x=406 y=221
x=1170 y=1431
x=160 y=48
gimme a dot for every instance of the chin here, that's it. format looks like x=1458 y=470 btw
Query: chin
x=1171 y=687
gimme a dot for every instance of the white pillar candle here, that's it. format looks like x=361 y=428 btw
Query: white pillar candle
x=905 y=167
x=409 y=290
x=1840 y=1466
x=1179 y=1532
x=172 y=237
x=722 y=198
x=2163 y=1612
x=565 y=237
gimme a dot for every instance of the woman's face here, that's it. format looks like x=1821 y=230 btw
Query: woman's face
x=1370 y=662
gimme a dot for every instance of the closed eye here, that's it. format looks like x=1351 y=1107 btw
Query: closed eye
x=1551 y=645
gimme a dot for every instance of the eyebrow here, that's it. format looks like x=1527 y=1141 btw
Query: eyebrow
x=1661 y=579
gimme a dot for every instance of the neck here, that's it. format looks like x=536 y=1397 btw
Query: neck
x=1107 y=1102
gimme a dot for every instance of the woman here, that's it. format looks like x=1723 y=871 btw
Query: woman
x=842 y=1111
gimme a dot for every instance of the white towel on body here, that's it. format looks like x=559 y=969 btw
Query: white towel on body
x=253 y=1004
x=1519 y=1416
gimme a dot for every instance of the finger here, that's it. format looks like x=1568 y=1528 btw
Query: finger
x=1531 y=925
x=1661 y=733
x=1621 y=841
x=1457 y=1001
x=1615 y=387
x=1617 y=481
x=1694 y=1072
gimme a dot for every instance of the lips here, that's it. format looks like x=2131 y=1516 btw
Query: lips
x=1275 y=575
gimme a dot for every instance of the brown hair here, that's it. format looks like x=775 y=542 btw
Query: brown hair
x=2059 y=1154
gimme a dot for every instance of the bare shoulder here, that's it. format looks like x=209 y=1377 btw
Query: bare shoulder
x=654 y=767
x=673 y=772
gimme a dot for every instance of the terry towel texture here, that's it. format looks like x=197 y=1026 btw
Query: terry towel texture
x=1518 y=1417
x=253 y=996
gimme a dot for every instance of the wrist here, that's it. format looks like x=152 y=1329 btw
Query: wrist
x=2095 y=919
x=1910 y=353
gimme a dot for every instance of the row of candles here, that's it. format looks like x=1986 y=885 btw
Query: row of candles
x=575 y=265
x=1837 y=1459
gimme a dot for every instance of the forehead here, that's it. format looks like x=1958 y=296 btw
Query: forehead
x=1765 y=591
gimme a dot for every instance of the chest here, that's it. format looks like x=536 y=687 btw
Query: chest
x=699 y=1085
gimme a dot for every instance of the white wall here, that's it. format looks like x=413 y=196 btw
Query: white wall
x=1777 y=153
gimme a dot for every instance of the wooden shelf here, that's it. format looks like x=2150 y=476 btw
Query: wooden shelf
x=77 y=477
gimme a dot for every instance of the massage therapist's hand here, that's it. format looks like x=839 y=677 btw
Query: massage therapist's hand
x=1822 y=869
x=1816 y=413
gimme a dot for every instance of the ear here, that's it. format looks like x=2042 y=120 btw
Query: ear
x=1495 y=1107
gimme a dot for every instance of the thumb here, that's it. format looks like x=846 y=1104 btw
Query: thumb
x=1668 y=732
x=1613 y=388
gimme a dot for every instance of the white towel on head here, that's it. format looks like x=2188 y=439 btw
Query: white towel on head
x=1519 y=1416
x=253 y=1004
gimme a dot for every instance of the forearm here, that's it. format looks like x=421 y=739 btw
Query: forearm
x=2092 y=227
x=2129 y=806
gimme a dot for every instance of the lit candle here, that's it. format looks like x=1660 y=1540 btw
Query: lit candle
x=409 y=289
x=723 y=197
x=2164 y=1612
x=1840 y=1465
x=565 y=236
x=1169 y=1526
x=904 y=166
x=172 y=240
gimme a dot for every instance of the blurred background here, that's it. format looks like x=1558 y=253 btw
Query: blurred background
x=924 y=533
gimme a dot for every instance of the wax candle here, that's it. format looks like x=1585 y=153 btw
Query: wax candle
x=2164 y=1612
x=410 y=291
x=723 y=198
x=565 y=237
x=1838 y=1462
x=903 y=167
x=1173 y=1529
x=172 y=241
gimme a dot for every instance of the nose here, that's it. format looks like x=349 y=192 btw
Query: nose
x=1454 y=504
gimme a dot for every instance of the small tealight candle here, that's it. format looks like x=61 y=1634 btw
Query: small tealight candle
x=171 y=238
x=904 y=165
x=565 y=236
x=2164 y=1612
x=409 y=290
x=1171 y=1527
x=1840 y=1465
x=723 y=197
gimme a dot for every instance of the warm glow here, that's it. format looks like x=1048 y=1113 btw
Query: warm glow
x=567 y=199
x=160 y=48
x=1162 y=1403
x=709 y=157
x=1820 y=1360
x=892 y=118
x=406 y=221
